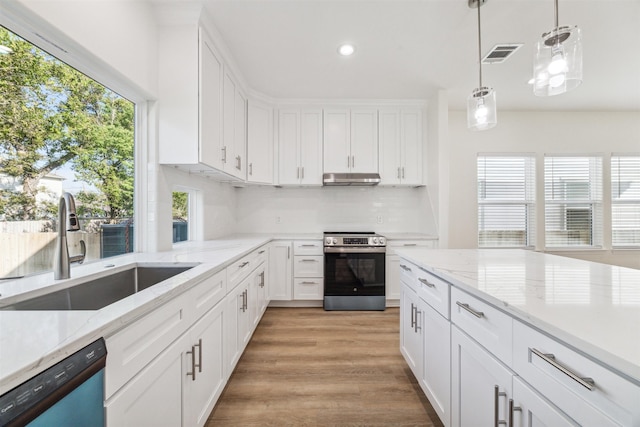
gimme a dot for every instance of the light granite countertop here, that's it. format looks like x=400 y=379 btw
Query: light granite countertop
x=592 y=307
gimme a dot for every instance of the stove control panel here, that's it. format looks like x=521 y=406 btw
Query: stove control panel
x=374 y=240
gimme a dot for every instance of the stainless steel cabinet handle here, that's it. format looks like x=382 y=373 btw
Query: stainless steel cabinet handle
x=348 y=161
x=250 y=168
x=585 y=382
x=261 y=252
x=496 y=406
x=410 y=244
x=426 y=282
x=262 y=279
x=413 y=311
x=398 y=173
x=478 y=314
x=199 y=365
x=512 y=409
x=307 y=283
x=404 y=267
x=239 y=163
x=308 y=260
x=402 y=172
x=193 y=363
x=244 y=264
x=224 y=154
x=353 y=161
x=288 y=252
x=308 y=246
x=417 y=326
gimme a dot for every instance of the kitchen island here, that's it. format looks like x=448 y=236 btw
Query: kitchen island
x=566 y=331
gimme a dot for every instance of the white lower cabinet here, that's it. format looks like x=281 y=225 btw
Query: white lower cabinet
x=480 y=384
x=392 y=264
x=411 y=338
x=529 y=409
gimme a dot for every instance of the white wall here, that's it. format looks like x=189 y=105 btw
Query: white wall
x=539 y=133
x=307 y=210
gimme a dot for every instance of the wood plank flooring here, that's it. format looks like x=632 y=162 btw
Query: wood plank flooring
x=310 y=367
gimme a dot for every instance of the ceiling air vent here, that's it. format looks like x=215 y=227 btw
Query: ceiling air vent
x=500 y=52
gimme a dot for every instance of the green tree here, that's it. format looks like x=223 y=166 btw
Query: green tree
x=52 y=115
x=180 y=205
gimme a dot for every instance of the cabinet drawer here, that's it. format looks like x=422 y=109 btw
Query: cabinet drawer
x=262 y=255
x=308 y=288
x=490 y=327
x=612 y=399
x=308 y=266
x=434 y=291
x=134 y=347
x=240 y=269
x=407 y=274
x=393 y=245
x=207 y=294
x=308 y=247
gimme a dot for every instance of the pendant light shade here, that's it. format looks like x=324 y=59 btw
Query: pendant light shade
x=557 y=62
x=481 y=109
x=481 y=104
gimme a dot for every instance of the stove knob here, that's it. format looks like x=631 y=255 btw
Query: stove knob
x=335 y=241
x=382 y=240
x=328 y=240
x=375 y=240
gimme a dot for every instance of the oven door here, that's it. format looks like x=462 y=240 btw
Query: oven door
x=356 y=271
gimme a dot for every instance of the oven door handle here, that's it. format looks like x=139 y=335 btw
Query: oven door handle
x=355 y=250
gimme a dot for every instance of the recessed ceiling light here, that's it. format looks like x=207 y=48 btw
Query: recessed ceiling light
x=346 y=49
x=5 y=50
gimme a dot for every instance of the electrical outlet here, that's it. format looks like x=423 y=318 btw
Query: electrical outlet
x=278 y=220
x=379 y=219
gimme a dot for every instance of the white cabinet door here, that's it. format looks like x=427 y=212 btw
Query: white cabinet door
x=203 y=366
x=280 y=271
x=311 y=147
x=153 y=397
x=210 y=78
x=480 y=384
x=259 y=142
x=411 y=147
x=411 y=330
x=389 y=146
x=234 y=132
x=289 y=147
x=532 y=410
x=240 y=143
x=308 y=288
x=337 y=141
x=364 y=141
x=436 y=370
x=308 y=266
x=392 y=277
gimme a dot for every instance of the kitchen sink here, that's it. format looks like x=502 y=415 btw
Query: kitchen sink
x=97 y=293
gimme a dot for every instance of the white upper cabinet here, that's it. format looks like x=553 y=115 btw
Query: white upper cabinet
x=300 y=147
x=234 y=127
x=259 y=142
x=351 y=140
x=190 y=84
x=400 y=133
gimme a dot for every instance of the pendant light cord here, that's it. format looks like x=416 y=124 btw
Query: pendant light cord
x=556 y=14
x=480 y=43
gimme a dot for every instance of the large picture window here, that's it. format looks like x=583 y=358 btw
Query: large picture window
x=506 y=201
x=625 y=201
x=60 y=131
x=573 y=201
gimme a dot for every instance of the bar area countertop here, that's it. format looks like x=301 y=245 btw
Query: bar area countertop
x=592 y=307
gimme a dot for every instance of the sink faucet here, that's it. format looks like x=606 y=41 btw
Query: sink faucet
x=67 y=221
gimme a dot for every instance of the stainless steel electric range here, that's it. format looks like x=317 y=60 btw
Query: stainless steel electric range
x=354 y=271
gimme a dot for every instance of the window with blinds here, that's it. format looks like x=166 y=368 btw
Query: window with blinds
x=573 y=201
x=625 y=201
x=506 y=201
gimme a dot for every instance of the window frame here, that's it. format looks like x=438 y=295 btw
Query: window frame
x=614 y=202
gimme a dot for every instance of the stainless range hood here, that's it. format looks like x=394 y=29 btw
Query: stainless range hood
x=344 y=179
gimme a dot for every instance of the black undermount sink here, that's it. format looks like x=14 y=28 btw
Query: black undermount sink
x=97 y=293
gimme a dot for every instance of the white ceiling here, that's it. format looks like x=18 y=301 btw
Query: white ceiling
x=409 y=49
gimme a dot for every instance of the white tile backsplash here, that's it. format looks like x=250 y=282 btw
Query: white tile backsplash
x=317 y=209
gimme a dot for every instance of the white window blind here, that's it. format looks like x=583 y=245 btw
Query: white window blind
x=625 y=201
x=506 y=201
x=573 y=201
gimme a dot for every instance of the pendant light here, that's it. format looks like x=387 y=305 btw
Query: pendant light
x=481 y=104
x=557 y=65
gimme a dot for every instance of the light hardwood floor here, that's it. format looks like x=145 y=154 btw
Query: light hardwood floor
x=310 y=367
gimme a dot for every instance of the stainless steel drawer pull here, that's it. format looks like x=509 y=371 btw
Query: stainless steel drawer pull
x=199 y=365
x=308 y=260
x=244 y=264
x=308 y=283
x=261 y=252
x=512 y=409
x=308 y=246
x=413 y=313
x=426 y=282
x=478 y=314
x=496 y=408
x=410 y=244
x=404 y=267
x=585 y=382
x=193 y=363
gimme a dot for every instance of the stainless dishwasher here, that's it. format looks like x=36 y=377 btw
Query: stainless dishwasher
x=70 y=393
